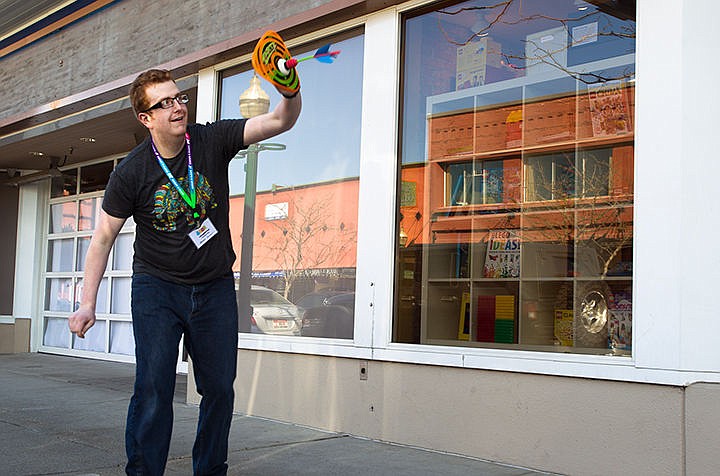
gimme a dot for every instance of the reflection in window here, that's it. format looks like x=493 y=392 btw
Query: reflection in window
x=59 y=294
x=307 y=195
x=475 y=182
x=101 y=304
x=56 y=333
x=89 y=211
x=95 y=177
x=122 y=340
x=123 y=251
x=550 y=177
x=576 y=174
x=83 y=244
x=62 y=217
x=60 y=255
x=120 y=291
x=516 y=191
x=94 y=338
x=65 y=184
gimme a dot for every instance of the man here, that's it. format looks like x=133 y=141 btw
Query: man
x=175 y=186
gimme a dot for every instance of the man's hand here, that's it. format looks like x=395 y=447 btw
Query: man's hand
x=81 y=321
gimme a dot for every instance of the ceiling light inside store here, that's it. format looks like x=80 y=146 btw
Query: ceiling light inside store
x=581 y=5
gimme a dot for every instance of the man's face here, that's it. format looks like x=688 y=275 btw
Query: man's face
x=164 y=122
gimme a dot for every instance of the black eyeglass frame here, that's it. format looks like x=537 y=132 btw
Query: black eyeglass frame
x=167 y=103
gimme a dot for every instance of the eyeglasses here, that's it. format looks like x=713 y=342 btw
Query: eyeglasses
x=167 y=103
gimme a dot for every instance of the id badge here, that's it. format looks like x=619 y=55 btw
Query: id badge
x=203 y=233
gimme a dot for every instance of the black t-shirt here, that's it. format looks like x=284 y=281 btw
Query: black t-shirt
x=138 y=187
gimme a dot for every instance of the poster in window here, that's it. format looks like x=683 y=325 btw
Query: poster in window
x=502 y=259
x=609 y=110
x=620 y=309
x=563 y=327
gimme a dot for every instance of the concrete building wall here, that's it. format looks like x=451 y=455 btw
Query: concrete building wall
x=7 y=338
x=559 y=424
x=702 y=407
x=124 y=39
x=15 y=337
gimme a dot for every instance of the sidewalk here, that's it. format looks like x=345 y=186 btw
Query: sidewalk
x=66 y=416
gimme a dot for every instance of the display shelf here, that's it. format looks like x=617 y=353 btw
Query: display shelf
x=534 y=218
x=528 y=347
x=449 y=280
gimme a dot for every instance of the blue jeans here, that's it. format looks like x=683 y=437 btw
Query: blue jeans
x=162 y=312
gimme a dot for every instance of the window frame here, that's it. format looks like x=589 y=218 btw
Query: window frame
x=209 y=90
x=75 y=274
x=657 y=348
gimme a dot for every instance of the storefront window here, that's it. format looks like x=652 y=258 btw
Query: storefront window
x=65 y=184
x=515 y=217
x=72 y=219
x=305 y=233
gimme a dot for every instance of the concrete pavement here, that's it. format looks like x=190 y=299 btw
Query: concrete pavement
x=66 y=416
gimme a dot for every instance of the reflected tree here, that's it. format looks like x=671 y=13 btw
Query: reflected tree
x=578 y=201
x=308 y=239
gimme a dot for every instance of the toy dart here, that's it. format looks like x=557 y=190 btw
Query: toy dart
x=272 y=60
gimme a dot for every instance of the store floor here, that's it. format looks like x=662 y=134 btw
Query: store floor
x=66 y=416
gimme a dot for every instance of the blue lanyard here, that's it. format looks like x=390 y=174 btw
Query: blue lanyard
x=192 y=199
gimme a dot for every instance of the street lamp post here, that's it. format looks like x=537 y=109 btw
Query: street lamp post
x=253 y=102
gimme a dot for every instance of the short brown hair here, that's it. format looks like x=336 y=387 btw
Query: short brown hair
x=138 y=99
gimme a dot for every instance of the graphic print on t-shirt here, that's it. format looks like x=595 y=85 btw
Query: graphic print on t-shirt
x=169 y=207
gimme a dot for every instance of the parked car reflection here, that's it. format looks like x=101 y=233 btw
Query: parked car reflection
x=329 y=313
x=272 y=313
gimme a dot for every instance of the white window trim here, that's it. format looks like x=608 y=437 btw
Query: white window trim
x=33 y=235
x=673 y=340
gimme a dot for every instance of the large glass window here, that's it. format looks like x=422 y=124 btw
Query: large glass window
x=305 y=234
x=74 y=209
x=515 y=209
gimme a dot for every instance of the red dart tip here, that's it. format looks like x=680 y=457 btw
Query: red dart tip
x=291 y=63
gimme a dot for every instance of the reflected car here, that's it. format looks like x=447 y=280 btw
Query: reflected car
x=327 y=314
x=272 y=313
x=326 y=297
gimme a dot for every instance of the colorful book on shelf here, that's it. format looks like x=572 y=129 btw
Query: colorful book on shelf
x=620 y=310
x=496 y=319
x=563 y=327
x=464 y=321
x=609 y=111
x=502 y=259
x=485 y=319
x=505 y=319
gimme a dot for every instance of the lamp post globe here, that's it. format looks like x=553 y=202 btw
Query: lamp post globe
x=254 y=101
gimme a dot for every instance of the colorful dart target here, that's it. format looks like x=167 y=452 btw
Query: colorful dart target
x=268 y=60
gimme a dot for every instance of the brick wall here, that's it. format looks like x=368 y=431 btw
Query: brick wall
x=125 y=38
